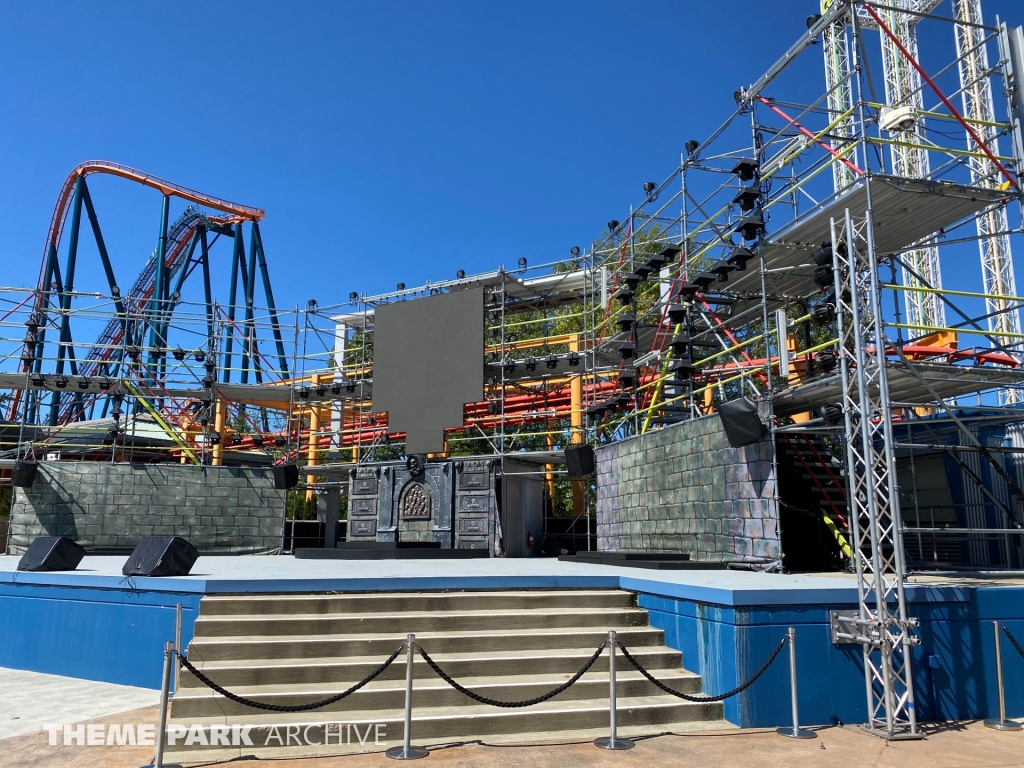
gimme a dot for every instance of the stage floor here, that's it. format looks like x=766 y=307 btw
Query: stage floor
x=267 y=573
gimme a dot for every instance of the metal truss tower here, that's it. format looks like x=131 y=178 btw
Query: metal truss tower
x=903 y=88
x=881 y=624
x=839 y=87
x=993 y=240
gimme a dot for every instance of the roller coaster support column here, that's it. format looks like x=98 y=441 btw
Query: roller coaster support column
x=156 y=301
x=249 y=326
x=274 y=324
x=44 y=303
x=101 y=246
x=237 y=260
x=175 y=294
x=65 y=295
x=207 y=293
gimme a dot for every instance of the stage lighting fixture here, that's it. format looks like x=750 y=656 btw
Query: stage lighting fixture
x=61 y=382
x=825 y=361
x=38 y=380
x=522 y=262
x=649 y=187
x=574 y=251
x=749 y=227
x=200 y=356
x=689 y=290
x=178 y=354
x=279 y=442
x=822 y=314
x=574 y=359
x=509 y=367
x=625 y=322
x=823 y=277
x=400 y=287
x=745 y=168
x=304 y=393
x=597 y=411
x=492 y=408
x=722 y=269
x=677 y=313
x=28 y=358
x=311 y=304
x=83 y=384
x=210 y=364
x=624 y=296
x=703 y=280
x=832 y=413
x=105 y=384
x=257 y=440
x=627 y=375
x=530 y=364
x=353 y=296
x=133 y=351
x=336 y=390
x=208 y=380
x=460 y=274
x=627 y=350
x=613 y=224
x=350 y=388
x=747 y=198
x=632 y=280
x=33 y=322
x=739 y=258
x=669 y=251
x=551 y=362
x=321 y=390
x=692 y=146
x=813 y=19
x=643 y=271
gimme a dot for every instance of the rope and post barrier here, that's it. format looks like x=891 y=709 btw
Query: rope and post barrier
x=796 y=732
x=1002 y=724
x=165 y=693
x=612 y=741
x=407 y=751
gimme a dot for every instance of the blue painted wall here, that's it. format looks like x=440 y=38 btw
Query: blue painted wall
x=114 y=635
x=954 y=666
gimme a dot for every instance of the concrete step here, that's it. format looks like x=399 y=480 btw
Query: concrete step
x=404 y=622
x=397 y=602
x=381 y=645
x=351 y=669
x=270 y=730
x=191 y=703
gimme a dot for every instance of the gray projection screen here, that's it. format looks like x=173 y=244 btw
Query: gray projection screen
x=428 y=362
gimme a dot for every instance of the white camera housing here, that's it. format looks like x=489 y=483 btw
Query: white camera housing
x=898 y=120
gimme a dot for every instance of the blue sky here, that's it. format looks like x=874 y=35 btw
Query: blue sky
x=387 y=141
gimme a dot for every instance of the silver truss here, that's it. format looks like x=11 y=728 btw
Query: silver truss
x=883 y=627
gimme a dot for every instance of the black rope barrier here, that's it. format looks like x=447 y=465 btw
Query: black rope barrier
x=511 y=704
x=1013 y=641
x=281 y=707
x=703 y=699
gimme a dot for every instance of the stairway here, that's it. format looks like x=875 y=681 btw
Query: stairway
x=293 y=649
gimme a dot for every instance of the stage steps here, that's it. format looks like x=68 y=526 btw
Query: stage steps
x=294 y=649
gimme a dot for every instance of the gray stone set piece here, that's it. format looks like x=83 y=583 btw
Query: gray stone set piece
x=683 y=489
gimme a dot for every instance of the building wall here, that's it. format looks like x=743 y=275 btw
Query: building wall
x=682 y=489
x=233 y=509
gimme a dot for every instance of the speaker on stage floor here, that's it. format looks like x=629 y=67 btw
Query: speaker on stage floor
x=52 y=553
x=579 y=460
x=161 y=556
x=285 y=476
x=24 y=473
x=741 y=423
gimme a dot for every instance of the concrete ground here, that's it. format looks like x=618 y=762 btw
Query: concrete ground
x=959 y=745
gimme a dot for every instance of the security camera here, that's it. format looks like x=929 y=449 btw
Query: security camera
x=898 y=120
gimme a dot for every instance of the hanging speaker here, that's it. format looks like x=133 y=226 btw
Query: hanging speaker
x=52 y=553
x=286 y=476
x=24 y=473
x=161 y=556
x=579 y=460
x=741 y=423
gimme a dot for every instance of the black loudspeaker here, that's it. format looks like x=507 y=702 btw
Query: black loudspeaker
x=161 y=556
x=286 y=476
x=742 y=426
x=579 y=460
x=24 y=473
x=52 y=553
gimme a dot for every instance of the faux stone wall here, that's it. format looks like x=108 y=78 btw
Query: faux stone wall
x=221 y=509
x=683 y=489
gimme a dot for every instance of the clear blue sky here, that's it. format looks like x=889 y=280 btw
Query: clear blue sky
x=387 y=140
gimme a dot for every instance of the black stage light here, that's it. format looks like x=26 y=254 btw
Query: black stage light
x=625 y=322
x=813 y=19
x=749 y=227
x=38 y=380
x=400 y=287
x=61 y=382
x=649 y=187
x=655 y=263
x=643 y=271
x=676 y=313
x=304 y=393
x=692 y=146
x=210 y=365
x=200 y=356
x=28 y=358
x=350 y=388
x=353 y=296
x=32 y=323
x=747 y=198
x=624 y=296
x=279 y=442
x=745 y=168
x=722 y=269
x=522 y=262
x=321 y=390
x=509 y=367
x=627 y=376
x=460 y=274
x=823 y=277
x=257 y=440
x=669 y=251
x=574 y=359
x=703 y=280
x=597 y=411
x=105 y=384
x=83 y=383
x=822 y=314
x=688 y=290
x=613 y=224
x=739 y=258
x=627 y=349
x=530 y=364
x=832 y=413
x=178 y=354
x=311 y=304
x=551 y=362
x=574 y=251
x=492 y=408
x=632 y=280
x=208 y=380
x=336 y=390
x=825 y=361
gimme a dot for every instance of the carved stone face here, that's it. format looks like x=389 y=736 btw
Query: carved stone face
x=415 y=502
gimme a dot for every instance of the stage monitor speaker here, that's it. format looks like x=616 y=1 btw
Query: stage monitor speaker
x=286 y=476
x=161 y=556
x=579 y=460
x=24 y=473
x=741 y=423
x=52 y=553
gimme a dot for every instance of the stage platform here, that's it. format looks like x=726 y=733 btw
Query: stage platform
x=94 y=623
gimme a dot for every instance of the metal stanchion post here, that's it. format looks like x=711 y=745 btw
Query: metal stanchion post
x=177 y=647
x=795 y=732
x=407 y=751
x=1002 y=724
x=612 y=741
x=165 y=693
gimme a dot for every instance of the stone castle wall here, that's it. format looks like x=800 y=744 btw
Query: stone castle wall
x=98 y=504
x=682 y=489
